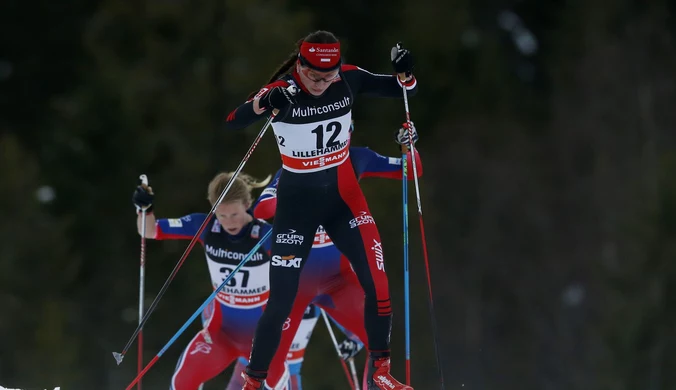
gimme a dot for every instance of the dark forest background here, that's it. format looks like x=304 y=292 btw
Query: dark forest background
x=548 y=141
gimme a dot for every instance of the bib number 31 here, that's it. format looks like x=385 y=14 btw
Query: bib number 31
x=242 y=277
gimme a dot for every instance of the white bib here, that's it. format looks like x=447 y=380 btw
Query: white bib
x=315 y=146
x=248 y=288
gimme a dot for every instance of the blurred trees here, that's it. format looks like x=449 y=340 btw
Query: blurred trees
x=548 y=194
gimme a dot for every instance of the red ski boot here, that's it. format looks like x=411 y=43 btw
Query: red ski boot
x=379 y=377
x=252 y=382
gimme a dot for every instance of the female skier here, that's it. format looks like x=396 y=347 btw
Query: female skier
x=327 y=279
x=311 y=97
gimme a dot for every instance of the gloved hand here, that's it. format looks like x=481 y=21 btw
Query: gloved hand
x=143 y=198
x=279 y=97
x=402 y=60
x=401 y=136
x=349 y=349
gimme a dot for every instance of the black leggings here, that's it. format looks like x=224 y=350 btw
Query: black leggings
x=331 y=198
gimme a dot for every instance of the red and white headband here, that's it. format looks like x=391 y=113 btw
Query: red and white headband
x=320 y=56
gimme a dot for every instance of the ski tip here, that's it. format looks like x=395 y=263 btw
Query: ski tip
x=118 y=357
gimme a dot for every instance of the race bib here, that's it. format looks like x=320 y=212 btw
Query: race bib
x=248 y=288
x=314 y=146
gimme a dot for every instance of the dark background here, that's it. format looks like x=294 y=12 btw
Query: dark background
x=547 y=135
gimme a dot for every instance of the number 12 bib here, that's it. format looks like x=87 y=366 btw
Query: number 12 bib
x=314 y=146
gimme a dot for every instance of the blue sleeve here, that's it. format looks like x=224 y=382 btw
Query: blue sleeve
x=366 y=163
x=179 y=228
x=266 y=204
x=270 y=190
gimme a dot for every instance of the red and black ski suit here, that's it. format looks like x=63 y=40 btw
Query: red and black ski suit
x=318 y=186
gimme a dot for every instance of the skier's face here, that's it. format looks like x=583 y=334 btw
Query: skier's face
x=232 y=216
x=315 y=81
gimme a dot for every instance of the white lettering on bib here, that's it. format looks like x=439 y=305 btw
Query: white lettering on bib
x=314 y=146
x=247 y=289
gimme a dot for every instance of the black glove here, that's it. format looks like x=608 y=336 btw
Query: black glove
x=143 y=198
x=402 y=60
x=349 y=349
x=402 y=136
x=279 y=97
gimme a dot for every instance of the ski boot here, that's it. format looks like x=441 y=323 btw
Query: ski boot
x=379 y=377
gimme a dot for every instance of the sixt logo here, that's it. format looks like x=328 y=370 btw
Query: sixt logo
x=290 y=261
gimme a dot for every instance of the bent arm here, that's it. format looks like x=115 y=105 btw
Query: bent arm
x=378 y=85
x=371 y=164
x=251 y=111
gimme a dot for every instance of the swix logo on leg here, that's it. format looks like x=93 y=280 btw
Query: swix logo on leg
x=362 y=219
x=202 y=347
x=378 y=250
x=290 y=261
x=290 y=238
